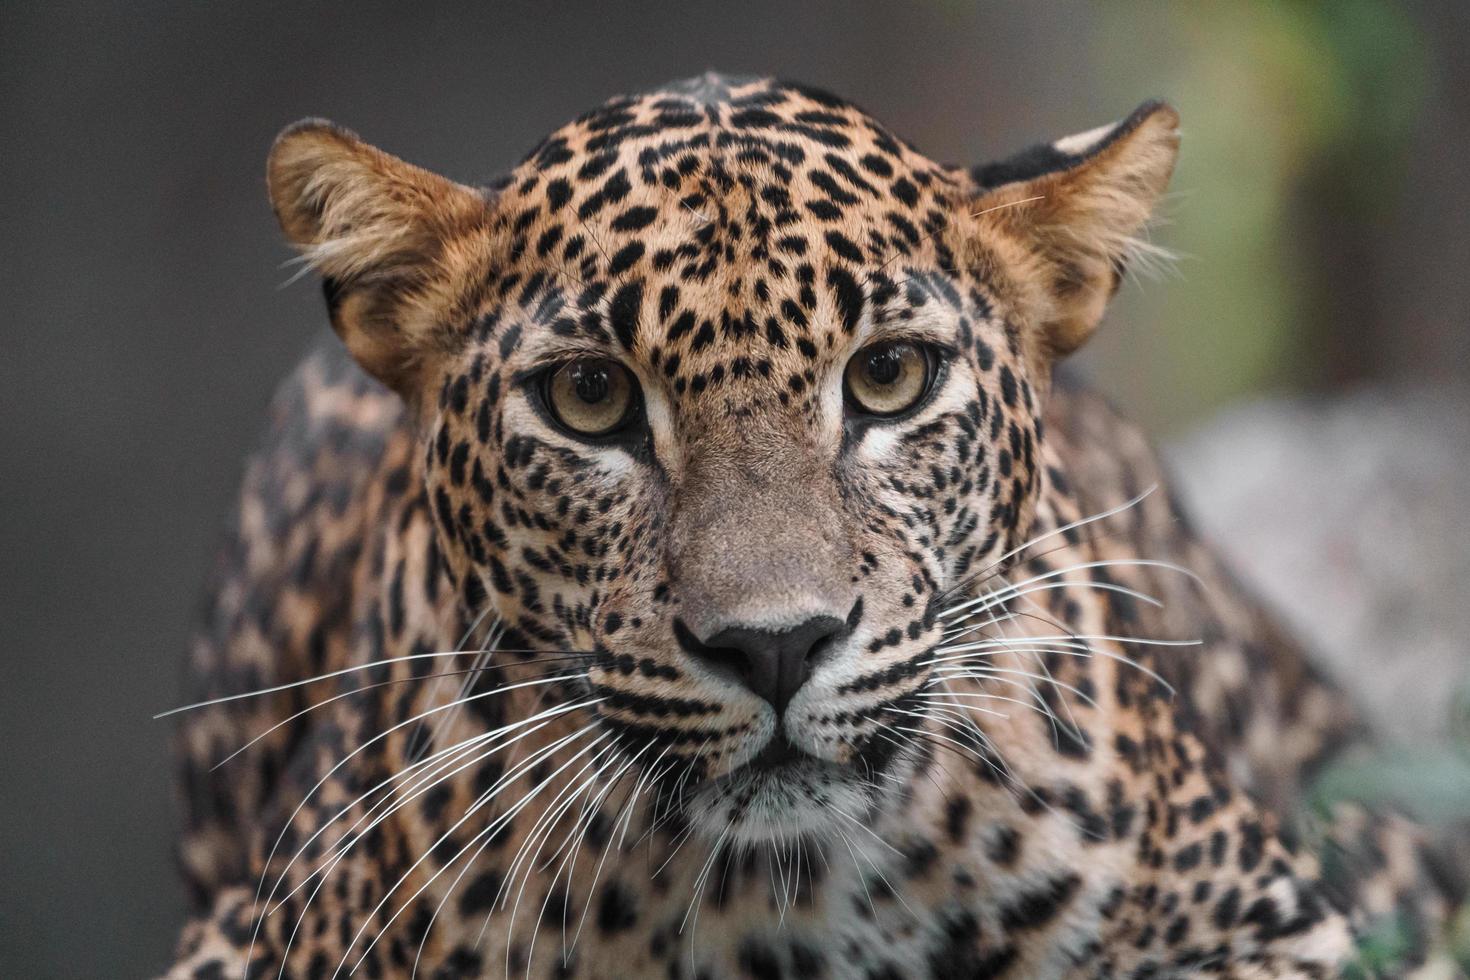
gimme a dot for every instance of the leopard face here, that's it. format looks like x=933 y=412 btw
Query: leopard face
x=725 y=391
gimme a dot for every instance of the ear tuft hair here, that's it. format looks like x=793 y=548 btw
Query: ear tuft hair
x=352 y=209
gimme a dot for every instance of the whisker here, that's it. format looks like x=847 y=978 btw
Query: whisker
x=862 y=879
x=324 y=779
x=872 y=864
x=395 y=802
x=1065 y=648
x=496 y=733
x=1071 y=726
x=322 y=704
x=989 y=671
x=418 y=742
x=484 y=844
x=992 y=642
x=509 y=777
x=1010 y=591
x=445 y=836
x=627 y=810
x=941 y=698
x=699 y=883
x=550 y=815
x=261 y=692
x=984 y=573
x=1081 y=522
x=1037 y=703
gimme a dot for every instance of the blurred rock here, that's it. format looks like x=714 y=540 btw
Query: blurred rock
x=1350 y=516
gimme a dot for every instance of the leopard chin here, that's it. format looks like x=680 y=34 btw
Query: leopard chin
x=800 y=799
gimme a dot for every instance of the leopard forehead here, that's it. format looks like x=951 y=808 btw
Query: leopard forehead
x=764 y=159
x=713 y=229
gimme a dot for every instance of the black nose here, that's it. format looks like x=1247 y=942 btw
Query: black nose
x=772 y=663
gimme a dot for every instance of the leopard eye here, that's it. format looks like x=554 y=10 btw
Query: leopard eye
x=888 y=379
x=591 y=397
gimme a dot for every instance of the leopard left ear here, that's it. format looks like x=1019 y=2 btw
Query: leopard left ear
x=386 y=236
x=1065 y=217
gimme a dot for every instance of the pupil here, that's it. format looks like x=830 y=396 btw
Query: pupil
x=591 y=384
x=884 y=366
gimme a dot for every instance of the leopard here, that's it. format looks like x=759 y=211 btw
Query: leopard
x=691 y=557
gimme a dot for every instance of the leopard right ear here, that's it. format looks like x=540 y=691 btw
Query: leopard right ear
x=389 y=239
x=1073 y=211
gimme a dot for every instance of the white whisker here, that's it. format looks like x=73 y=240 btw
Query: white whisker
x=1000 y=596
x=1081 y=522
x=443 y=837
x=343 y=672
x=319 y=784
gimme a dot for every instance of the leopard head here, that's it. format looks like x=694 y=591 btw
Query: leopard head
x=726 y=390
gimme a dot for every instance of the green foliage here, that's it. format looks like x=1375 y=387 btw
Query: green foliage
x=1433 y=784
x=1275 y=98
x=1381 y=949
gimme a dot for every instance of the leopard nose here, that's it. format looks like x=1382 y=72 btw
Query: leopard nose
x=771 y=663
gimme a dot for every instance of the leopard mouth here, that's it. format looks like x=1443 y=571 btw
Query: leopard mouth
x=777 y=755
x=778 y=764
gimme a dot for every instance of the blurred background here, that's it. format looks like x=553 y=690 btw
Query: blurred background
x=1305 y=364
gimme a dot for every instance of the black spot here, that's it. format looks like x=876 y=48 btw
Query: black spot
x=1252 y=846
x=618 y=909
x=957 y=952
x=1227 y=909
x=1201 y=808
x=807 y=962
x=1218 y=843
x=558 y=192
x=754 y=119
x=875 y=164
x=704 y=336
x=480 y=894
x=626 y=305
x=844 y=246
x=905 y=191
x=1007 y=386
x=849 y=298
x=1040 y=905
x=1003 y=844
x=956 y=817
x=1265 y=916
x=758 y=961
x=635 y=218
x=434 y=801
x=624 y=258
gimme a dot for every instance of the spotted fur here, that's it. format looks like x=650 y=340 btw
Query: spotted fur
x=1010 y=760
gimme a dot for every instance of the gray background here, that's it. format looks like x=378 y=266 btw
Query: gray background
x=142 y=323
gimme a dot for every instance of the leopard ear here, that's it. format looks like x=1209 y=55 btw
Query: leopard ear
x=1067 y=217
x=383 y=234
